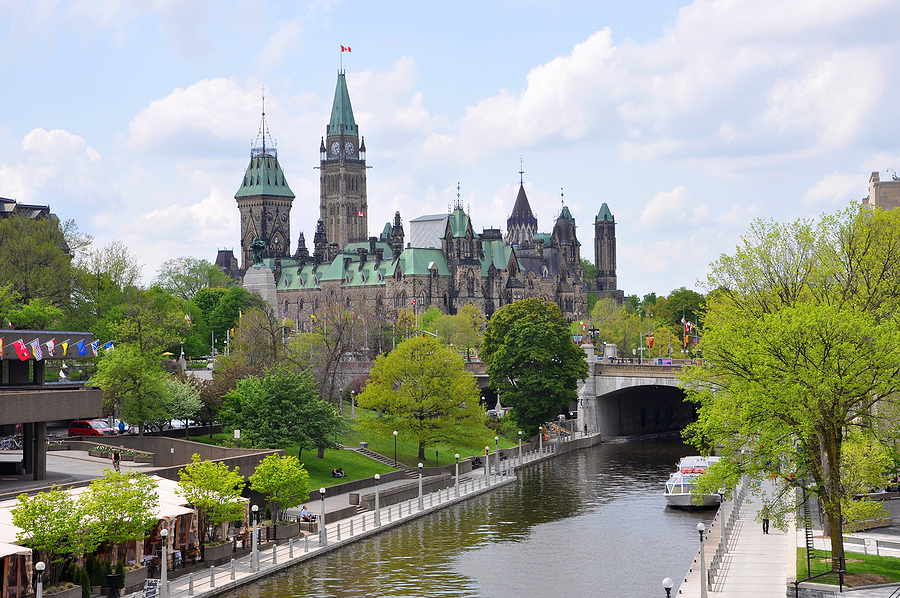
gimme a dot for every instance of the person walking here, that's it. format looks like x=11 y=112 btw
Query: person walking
x=765 y=518
x=117 y=458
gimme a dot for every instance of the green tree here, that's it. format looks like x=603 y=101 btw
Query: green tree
x=463 y=330
x=228 y=309
x=50 y=523
x=282 y=408
x=801 y=345
x=185 y=276
x=283 y=480
x=532 y=361
x=215 y=491
x=35 y=259
x=132 y=383
x=102 y=275
x=423 y=391
x=152 y=320
x=183 y=399
x=119 y=507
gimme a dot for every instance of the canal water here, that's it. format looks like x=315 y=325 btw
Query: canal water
x=592 y=523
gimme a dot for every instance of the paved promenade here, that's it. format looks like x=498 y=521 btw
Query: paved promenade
x=761 y=566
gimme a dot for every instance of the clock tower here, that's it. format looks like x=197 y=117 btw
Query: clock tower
x=264 y=201
x=343 y=205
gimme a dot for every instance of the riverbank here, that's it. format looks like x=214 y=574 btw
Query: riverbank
x=276 y=557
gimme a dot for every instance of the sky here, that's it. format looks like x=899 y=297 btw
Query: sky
x=135 y=118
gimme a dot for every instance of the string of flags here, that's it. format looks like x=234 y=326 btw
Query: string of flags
x=47 y=350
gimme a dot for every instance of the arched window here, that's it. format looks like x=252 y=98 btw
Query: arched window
x=347 y=301
x=470 y=284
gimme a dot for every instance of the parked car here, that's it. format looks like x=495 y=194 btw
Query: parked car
x=90 y=427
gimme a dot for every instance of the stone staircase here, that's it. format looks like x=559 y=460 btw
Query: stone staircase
x=408 y=471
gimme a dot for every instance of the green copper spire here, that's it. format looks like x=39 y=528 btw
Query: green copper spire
x=341 y=110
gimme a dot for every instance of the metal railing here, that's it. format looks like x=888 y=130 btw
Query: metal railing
x=728 y=525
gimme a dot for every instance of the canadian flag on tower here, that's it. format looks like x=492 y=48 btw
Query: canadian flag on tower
x=413 y=302
x=345 y=48
x=358 y=213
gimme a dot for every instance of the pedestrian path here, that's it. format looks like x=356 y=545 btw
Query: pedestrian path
x=755 y=565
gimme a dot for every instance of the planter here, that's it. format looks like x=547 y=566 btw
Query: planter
x=134 y=579
x=219 y=553
x=291 y=530
x=57 y=447
x=139 y=459
x=73 y=592
x=101 y=454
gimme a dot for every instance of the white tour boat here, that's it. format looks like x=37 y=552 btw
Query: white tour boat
x=678 y=487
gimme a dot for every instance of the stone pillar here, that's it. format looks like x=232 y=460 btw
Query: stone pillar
x=261 y=280
x=588 y=412
x=40 y=450
x=28 y=442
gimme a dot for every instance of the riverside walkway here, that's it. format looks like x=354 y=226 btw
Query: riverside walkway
x=761 y=565
x=274 y=557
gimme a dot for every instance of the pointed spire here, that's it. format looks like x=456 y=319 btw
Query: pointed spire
x=259 y=146
x=342 y=122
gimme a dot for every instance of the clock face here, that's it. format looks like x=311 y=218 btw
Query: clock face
x=348 y=147
x=335 y=148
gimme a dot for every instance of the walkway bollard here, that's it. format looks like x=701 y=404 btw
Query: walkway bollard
x=351 y=528
x=291 y=546
x=190 y=584
x=306 y=545
x=232 y=569
x=275 y=555
x=364 y=523
x=212 y=577
x=339 y=532
x=389 y=513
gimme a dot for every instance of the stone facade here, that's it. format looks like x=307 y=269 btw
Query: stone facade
x=884 y=194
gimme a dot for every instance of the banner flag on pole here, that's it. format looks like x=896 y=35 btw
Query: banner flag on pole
x=51 y=344
x=65 y=347
x=94 y=346
x=82 y=350
x=36 y=349
x=108 y=346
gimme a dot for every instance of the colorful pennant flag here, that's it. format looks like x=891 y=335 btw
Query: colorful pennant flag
x=94 y=346
x=82 y=350
x=65 y=347
x=108 y=346
x=22 y=350
x=1 y=348
x=51 y=344
x=36 y=349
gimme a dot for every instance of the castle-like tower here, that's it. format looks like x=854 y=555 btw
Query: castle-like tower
x=264 y=200
x=343 y=205
x=605 y=249
x=521 y=226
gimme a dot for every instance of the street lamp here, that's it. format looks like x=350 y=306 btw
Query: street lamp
x=520 y=447
x=377 y=504
x=421 y=498
x=323 y=539
x=457 y=475
x=254 y=540
x=39 y=567
x=395 y=448
x=353 y=404
x=487 y=464
x=541 y=440
x=703 y=591
x=164 y=569
x=667 y=584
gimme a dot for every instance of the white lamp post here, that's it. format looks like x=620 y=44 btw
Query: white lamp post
x=395 y=448
x=667 y=584
x=421 y=498
x=487 y=464
x=377 y=503
x=323 y=538
x=164 y=566
x=456 y=485
x=254 y=541
x=520 y=447
x=703 y=591
x=541 y=440
x=39 y=567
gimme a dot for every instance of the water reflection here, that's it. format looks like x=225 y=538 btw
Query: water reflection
x=593 y=523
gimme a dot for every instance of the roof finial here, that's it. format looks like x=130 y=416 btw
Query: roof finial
x=562 y=197
x=458 y=205
x=259 y=148
x=521 y=168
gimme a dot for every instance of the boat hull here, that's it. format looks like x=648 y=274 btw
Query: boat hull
x=686 y=501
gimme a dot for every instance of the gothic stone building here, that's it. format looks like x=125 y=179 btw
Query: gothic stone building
x=445 y=263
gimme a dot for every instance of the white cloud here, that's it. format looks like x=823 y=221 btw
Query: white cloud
x=671 y=207
x=834 y=189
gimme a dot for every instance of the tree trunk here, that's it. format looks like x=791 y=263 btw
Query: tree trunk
x=830 y=447
x=422 y=451
x=321 y=454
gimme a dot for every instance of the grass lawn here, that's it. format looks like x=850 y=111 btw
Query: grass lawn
x=862 y=569
x=356 y=466
x=408 y=452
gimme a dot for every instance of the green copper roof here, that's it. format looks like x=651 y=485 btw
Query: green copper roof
x=341 y=110
x=264 y=177
x=386 y=232
x=567 y=214
x=459 y=224
x=604 y=213
x=495 y=252
x=416 y=261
